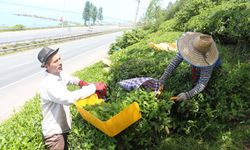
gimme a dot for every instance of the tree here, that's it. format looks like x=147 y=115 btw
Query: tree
x=86 y=12
x=18 y=27
x=99 y=14
x=90 y=12
x=173 y=8
x=154 y=14
x=94 y=14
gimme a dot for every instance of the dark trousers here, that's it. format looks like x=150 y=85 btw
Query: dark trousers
x=56 y=142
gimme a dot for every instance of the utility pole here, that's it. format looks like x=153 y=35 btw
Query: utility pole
x=137 y=9
x=62 y=18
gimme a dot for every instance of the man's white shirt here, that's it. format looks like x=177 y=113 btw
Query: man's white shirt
x=56 y=99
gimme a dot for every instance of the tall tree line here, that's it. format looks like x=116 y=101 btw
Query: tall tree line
x=91 y=14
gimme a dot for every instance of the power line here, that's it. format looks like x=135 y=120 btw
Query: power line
x=38 y=7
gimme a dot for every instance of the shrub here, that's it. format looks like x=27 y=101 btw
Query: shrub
x=128 y=38
x=169 y=25
x=228 y=22
x=189 y=9
x=18 y=27
x=197 y=123
x=23 y=131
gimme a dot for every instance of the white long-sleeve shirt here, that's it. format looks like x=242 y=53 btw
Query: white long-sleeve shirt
x=55 y=101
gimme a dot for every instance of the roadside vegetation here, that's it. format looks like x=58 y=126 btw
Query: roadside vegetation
x=217 y=118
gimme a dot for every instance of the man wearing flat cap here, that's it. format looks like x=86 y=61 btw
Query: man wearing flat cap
x=56 y=99
x=200 y=51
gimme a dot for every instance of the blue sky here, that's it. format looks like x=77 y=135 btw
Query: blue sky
x=113 y=10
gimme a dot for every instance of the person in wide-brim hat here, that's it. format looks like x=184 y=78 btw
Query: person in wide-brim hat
x=200 y=51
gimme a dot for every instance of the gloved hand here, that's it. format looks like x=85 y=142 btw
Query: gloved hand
x=162 y=82
x=82 y=83
x=181 y=97
x=160 y=90
x=101 y=89
x=100 y=86
x=161 y=86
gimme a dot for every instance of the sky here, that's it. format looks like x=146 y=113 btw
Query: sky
x=114 y=11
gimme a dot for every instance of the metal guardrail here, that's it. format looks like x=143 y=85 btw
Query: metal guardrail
x=6 y=48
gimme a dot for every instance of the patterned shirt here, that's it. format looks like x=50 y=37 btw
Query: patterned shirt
x=205 y=74
x=144 y=82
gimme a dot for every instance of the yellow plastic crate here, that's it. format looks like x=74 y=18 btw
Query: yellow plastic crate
x=115 y=124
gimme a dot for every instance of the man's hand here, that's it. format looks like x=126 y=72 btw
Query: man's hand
x=181 y=97
x=82 y=83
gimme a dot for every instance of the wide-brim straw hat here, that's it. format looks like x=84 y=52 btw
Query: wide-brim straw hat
x=198 y=49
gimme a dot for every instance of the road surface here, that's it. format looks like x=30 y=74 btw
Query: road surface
x=8 y=37
x=20 y=73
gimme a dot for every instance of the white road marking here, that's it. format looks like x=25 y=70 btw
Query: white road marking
x=18 y=81
x=19 y=65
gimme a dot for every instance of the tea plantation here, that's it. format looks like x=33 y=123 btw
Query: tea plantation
x=217 y=118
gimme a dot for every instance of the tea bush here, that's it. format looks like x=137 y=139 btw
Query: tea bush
x=217 y=118
x=223 y=101
x=190 y=9
x=207 y=121
x=228 y=22
x=23 y=131
x=169 y=25
x=128 y=38
x=153 y=121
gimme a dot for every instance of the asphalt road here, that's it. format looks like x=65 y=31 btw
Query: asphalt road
x=20 y=73
x=8 y=37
